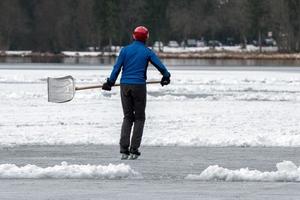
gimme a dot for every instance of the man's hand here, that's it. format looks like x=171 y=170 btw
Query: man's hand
x=165 y=80
x=107 y=85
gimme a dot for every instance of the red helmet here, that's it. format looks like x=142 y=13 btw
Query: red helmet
x=140 y=33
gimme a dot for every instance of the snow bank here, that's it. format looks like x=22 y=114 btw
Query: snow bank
x=115 y=51
x=65 y=170
x=80 y=53
x=287 y=171
x=18 y=53
x=166 y=49
x=237 y=48
x=88 y=53
x=252 y=48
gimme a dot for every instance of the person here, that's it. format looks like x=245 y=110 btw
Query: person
x=133 y=61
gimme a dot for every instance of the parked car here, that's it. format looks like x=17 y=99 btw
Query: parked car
x=191 y=43
x=201 y=43
x=269 y=42
x=173 y=44
x=158 y=46
x=254 y=42
x=92 y=48
x=229 y=41
x=214 y=43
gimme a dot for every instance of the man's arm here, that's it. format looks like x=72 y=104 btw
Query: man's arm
x=163 y=70
x=158 y=64
x=117 y=67
x=115 y=72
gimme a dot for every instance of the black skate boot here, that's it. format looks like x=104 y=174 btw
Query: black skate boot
x=134 y=154
x=124 y=155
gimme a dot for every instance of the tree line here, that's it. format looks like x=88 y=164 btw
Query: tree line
x=56 y=25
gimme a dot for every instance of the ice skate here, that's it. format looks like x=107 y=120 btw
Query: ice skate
x=124 y=156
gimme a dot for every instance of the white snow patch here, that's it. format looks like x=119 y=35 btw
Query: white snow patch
x=115 y=50
x=18 y=53
x=88 y=53
x=80 y=53
x=286 y=171
x=64 y=170
x=237 y=48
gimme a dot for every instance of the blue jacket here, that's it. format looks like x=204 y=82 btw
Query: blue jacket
x=133 y=60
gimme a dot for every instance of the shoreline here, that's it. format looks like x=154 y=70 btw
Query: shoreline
x=173 y=55
x=233 y=56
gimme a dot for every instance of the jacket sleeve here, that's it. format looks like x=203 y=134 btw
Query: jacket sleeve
x=117 y=67
x=154 y=60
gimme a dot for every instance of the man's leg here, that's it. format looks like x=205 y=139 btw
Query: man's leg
x=127 y=104
x=139 y=95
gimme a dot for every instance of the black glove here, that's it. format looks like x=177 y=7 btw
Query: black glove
x=165 y=80
x=107 y=85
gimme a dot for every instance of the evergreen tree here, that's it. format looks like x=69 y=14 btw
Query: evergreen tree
x=56 y=25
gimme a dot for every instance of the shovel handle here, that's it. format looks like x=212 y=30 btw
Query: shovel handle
x=100 y=86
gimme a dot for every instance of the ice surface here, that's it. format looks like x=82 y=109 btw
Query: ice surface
x=163 y=170
x=198 y=108
x=189 y=84
x=287 y=171
x=65 y=170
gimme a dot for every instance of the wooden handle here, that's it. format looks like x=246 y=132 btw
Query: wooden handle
x=100 y=86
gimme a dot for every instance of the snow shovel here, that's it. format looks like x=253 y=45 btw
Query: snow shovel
x=61 y=90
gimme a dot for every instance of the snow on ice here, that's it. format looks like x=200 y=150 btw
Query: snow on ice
x=111 y=171
x=287 y=171
x=199 y=108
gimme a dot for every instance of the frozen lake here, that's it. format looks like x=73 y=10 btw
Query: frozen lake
x=204 y=107
x=162 y=169
x=204 y=118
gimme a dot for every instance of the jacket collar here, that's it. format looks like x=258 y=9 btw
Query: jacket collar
x=138 y=42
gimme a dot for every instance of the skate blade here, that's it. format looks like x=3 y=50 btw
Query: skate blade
x=133 y=157
x=124 y=157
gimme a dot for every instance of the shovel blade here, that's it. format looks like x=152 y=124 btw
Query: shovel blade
x=61 y=90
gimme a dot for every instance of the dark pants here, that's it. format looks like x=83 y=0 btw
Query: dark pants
x=134 y=103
